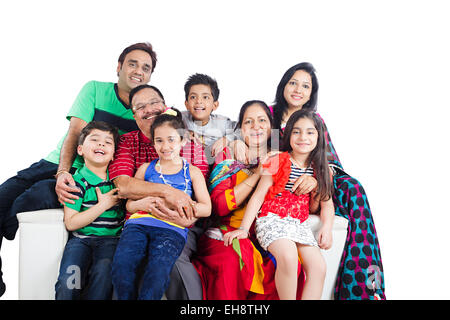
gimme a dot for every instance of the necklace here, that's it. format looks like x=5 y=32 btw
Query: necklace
x=297 y=163
x=161 y=175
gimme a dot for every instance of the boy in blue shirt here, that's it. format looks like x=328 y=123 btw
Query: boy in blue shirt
x=95 y=220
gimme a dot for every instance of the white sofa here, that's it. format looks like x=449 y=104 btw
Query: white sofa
x=43 y=236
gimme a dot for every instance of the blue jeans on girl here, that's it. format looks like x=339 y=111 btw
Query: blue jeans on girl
x=159 y=247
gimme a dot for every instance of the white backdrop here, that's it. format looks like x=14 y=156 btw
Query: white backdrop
x=382 y=67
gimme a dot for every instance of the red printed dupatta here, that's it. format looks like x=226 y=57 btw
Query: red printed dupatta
x=256 y=269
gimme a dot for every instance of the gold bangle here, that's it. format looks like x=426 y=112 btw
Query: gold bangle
x=59 y=172
x=248 y=184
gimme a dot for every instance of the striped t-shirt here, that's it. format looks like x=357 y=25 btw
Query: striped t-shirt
x=110 y=222
x=296 y=172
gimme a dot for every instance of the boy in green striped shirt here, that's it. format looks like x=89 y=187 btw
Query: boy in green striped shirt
x=95 y=220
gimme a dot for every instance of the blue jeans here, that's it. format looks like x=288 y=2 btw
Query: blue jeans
x=85 y=270
x=161 y=247
x=31 y=189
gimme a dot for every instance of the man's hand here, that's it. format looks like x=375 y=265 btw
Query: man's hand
x=64 y=180
x=218 y=146
x=157 y=207
x=166 y=214
x=64 y=186
x=181 y=202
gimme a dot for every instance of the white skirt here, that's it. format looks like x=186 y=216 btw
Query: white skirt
x=271 y=227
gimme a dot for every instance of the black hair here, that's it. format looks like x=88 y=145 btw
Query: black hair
x=244 y=108
x=199 y=78
x=175 y=121
x=248 y=104
x=281 y=106
x=141 y=87
x=318 y=157
x=144 y=46
x=99 y=125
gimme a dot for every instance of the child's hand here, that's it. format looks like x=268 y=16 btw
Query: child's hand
x=158 y=208
x=325 y=238
x=192 y=136
x=238 y=234
x=218 y=146
x=149 y=204
x=109 y=199
x=304 y=184
x=240 y=151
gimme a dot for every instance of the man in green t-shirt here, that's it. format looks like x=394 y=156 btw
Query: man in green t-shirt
x=35 y=188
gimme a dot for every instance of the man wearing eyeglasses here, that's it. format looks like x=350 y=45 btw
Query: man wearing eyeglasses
x=136 y=148
x=35 y=188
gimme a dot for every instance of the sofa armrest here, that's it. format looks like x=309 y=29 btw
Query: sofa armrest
x=42 y=216
x=42 y=238
x=333 y=255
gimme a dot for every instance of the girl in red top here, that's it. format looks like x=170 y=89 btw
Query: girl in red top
x=281 y=225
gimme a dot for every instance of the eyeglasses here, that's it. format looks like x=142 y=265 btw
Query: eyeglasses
x=153 y=104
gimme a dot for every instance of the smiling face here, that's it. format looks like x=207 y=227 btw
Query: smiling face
x=146 y=105
x=167 y=142
x=200 y=103
x=135 y=70
x=97 y=148
x=255 y=128
x=304 y=136
x=298 y=89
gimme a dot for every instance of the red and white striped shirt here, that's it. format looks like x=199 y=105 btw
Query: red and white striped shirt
x=134 y=149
